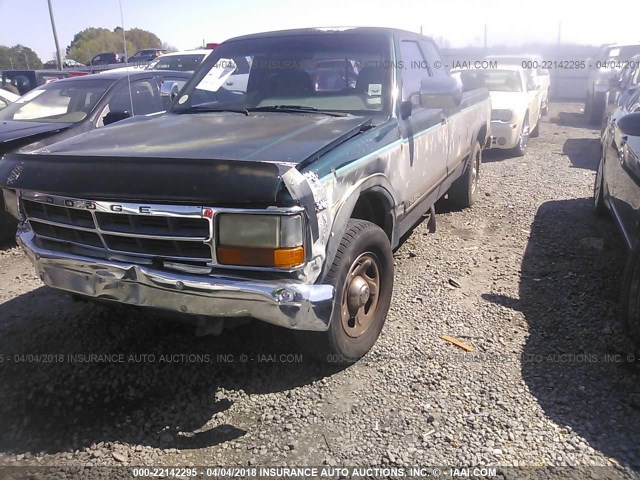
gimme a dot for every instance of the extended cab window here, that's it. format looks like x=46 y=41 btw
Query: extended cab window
x=415 y=69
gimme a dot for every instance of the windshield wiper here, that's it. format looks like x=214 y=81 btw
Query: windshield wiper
x=206 y=108
x=296 y=109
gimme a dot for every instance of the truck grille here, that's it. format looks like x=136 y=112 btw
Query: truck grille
x=173 y=233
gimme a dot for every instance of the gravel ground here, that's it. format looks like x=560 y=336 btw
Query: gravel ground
x=529 y=277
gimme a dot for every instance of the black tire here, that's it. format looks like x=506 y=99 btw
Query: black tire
x=463 y=192
x=362 y=242
x=599 y=190
x=521 y=148
x=630 y=295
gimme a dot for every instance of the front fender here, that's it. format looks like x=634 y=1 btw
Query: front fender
x=343 y=208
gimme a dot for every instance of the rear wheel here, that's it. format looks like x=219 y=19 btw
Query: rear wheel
x=362 y=275
x=464 y=190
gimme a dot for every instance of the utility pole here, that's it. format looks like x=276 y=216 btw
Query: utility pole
x=55 y=38
x=559 y=33
x=485 y=38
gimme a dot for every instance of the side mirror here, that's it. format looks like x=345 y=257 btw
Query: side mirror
x=169 y=89
x=406 y=108
x=630 y=124
x=533 y=84
x=113 y=117
x=440 y=93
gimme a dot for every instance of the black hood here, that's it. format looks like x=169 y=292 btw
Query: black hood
x=222 y=158
x=271 y=137
x=15 y=134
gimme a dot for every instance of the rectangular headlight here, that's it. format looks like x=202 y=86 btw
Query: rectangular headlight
x=260 y=240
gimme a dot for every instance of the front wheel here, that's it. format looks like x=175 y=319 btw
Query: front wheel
x=362 y=275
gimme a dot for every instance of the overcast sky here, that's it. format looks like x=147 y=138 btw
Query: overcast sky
x=186 y=23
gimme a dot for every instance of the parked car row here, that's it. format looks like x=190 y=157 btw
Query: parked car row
x=141 y=56
x=186 y=61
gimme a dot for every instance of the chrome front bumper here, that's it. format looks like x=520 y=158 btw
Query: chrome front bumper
x=285 y=303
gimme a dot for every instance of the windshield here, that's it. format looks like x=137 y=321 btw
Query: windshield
x=494 y=80
x=341 y=72
x=183 y=63
x=63 y=101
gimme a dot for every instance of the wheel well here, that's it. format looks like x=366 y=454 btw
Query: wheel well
x=375 y=208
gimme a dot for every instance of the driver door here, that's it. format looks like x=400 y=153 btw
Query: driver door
x=424 y=154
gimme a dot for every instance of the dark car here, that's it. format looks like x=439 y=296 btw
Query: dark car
x=63 y=109
x=611 y=60
x=623 y=84
x=107 y=58
x=67 y=63
x=617 y=190
x=145 y=55
x=183 y=61
x=27 y=80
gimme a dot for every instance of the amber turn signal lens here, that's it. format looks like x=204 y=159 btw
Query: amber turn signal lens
x=261 y=257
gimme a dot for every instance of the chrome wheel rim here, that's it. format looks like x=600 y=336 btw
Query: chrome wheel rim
x=360 y=295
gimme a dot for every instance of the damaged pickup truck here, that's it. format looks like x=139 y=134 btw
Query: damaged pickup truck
x=281 y=201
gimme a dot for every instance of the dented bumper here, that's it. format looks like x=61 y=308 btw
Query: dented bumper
x=285 y=303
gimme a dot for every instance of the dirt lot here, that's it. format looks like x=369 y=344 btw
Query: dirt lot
x=529 y=277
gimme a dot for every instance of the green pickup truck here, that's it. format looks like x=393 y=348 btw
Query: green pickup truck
x=281 y=200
